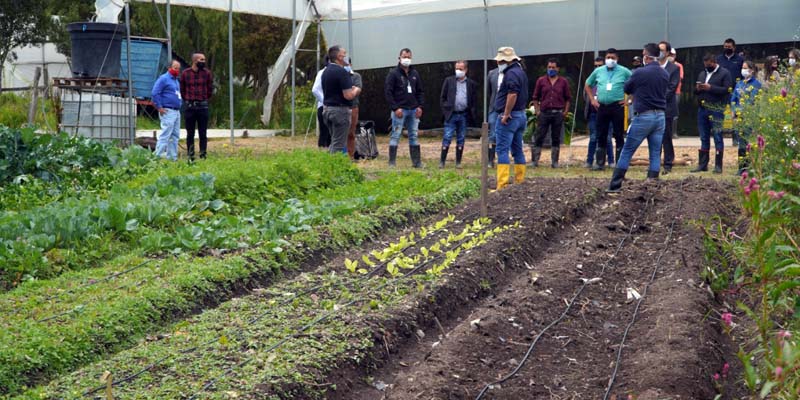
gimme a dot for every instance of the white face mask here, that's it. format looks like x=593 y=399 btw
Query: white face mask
x=502 y=67
x=611 y=63
x=460 y=74
x=745 y=72
x=406 y=62
x=792 y=61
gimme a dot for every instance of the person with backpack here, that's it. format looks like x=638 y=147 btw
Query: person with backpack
x=351 y=136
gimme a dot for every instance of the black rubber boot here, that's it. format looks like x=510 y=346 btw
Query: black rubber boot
x=554 y=153
x=652 y=175
x=392 y=156
x=599 y=159
x=536 y=154
x=718 y=162
x=443 y=157
x=459 y=155
x=702 y=164
x=416 y=158
x=743 y=161
x=616 y=180
x=491 y=155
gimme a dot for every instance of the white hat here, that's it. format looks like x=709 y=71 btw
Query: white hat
x=673 y=51
x=506 y=54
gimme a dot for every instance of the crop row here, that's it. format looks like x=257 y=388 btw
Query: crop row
x=267 y=342
x=57 y=325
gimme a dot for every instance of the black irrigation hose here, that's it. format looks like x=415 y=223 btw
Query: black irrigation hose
x=313 y=289
x=281 y=342
x=569 y=305
x=644 y=294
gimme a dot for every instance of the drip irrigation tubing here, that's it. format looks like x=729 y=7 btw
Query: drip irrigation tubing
x=362 y=279
x=324 y=317
x=644 y=295
x=577 y=294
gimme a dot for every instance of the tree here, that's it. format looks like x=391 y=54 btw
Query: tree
x=22 y=22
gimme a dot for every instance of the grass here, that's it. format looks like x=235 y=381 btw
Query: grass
x=57 y=325
x=14 y=111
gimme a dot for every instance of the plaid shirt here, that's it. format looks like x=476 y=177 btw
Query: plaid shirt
x=196 y=85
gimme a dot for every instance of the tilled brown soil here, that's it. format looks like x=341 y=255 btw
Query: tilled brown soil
x=479 y=324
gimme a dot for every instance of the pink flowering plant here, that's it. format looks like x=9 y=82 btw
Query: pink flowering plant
x=762 y=264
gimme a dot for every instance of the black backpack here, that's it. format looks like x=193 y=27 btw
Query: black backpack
x=366 y=146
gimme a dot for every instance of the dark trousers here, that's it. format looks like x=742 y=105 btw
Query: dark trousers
x=196 y=118
x=669 y=149
x=552 y=120
x=611 y=115
x=324 y=139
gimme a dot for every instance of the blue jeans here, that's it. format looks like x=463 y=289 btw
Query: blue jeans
x=709 y=123
x=593 y=140
x=509 y=137
x=492 y=125
x=648 y=126
x=456 y=124
x=409 y=121
x=170 y=134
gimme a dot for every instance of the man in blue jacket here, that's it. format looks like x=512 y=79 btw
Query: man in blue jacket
x=166 y=97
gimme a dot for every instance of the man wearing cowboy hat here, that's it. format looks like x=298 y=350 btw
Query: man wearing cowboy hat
x=510 y=104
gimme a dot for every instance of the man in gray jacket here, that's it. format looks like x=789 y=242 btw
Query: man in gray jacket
x=494 y=83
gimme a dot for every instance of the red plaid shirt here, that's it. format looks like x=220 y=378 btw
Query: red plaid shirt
x=196 y=85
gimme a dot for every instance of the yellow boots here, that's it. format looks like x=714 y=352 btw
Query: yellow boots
x=519 y=173
x=504 y=173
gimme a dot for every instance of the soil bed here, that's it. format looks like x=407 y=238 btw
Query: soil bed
x=484 y=327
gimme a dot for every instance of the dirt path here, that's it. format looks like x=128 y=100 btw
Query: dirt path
x=667 y=353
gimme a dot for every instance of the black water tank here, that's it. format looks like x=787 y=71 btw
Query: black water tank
x=96 y=49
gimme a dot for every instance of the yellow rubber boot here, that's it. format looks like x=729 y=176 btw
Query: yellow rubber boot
x=503 y=173
x=519 y=173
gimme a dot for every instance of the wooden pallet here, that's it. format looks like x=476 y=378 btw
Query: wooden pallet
x=91 y=84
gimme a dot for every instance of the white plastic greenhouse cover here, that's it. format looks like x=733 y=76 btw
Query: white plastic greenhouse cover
x=444 y=30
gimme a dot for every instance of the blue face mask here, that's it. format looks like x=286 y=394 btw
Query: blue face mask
x=552 y=72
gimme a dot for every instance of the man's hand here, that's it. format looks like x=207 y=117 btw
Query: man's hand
x=504 y=119
x=162 y=111
x=398 y=113
x=418 y=113
x=564 y=113
x=595 y=104
x=703 y=87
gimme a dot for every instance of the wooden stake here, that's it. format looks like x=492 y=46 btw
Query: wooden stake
x=484 y=169
x=34 y=96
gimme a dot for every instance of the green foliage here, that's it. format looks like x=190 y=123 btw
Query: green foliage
x=766 y=259
x=14 y=111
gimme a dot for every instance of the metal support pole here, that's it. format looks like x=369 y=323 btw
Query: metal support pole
x=666 y=20
x=294 y=57
x=230 y=64
x=485 y=126
x=169 y=31
x=596 y=28
x=319 y=28
x=350 y=27
x=131 y=104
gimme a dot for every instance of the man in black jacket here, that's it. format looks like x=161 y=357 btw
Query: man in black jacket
x=665 y=50
x=713 y=89
x=404 y=93
x=458 y=108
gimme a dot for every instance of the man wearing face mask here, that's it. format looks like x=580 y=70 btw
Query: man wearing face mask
x=794 y=65
x=713 y=91
x=590 y=113
x=730 y=60
x=197 y=86
x=510 y=104
x=610 y=103
x=405 y=95
x=649 y=86
x=338 y=92
x=665 y=49
x=551 y=99
x=166 y=96
x=458 y=108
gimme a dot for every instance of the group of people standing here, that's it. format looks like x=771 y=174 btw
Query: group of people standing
x=189 y=91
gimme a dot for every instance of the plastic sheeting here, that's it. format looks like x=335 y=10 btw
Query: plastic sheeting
x=19 y=73
x=278 y=72
x=443 y=30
